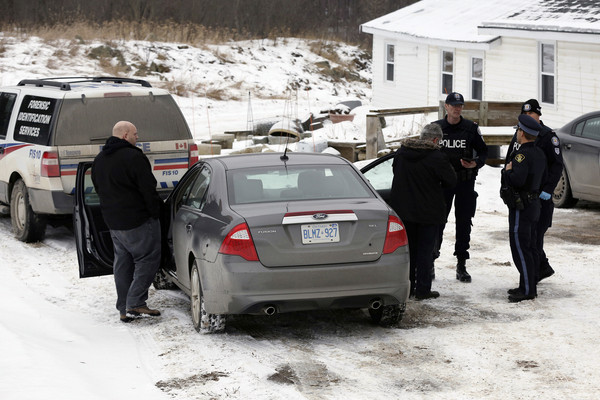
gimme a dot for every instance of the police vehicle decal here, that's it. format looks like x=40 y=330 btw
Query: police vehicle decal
x=10 y=147
x=165 y=185
x=171 y=163
x=68 y=169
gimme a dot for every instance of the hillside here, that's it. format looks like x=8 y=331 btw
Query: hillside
x=265 y=78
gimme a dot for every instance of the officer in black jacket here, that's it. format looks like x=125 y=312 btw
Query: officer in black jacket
x=467 y=151
x=522 y=179
x=550 y=144
x=421 y=171
x=130 y=206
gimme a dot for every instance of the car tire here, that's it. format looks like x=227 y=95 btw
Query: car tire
x=562 y=196
x=27 y=225
x=203 y=321
x=387 y=316
x=161 y=282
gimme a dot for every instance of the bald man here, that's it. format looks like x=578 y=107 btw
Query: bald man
x=130 y=205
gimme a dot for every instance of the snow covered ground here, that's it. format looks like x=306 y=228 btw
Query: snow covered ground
x=60 y=336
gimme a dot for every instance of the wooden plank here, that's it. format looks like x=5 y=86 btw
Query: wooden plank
x=403 y=111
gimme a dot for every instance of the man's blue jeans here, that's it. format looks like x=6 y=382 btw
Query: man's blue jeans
x=137 y=259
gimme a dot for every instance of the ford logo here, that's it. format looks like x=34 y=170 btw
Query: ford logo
x=320 y=216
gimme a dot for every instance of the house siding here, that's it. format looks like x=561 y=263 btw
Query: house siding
x=511 y=73
x=410 y=75
x=578 y=79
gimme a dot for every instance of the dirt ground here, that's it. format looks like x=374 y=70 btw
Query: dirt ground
x=577 y=227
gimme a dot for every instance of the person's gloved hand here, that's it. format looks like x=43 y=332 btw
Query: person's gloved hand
x=545 y=196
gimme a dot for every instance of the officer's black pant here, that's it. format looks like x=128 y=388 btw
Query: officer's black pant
x=545 y=222
x=465 y=204
x=421 y=241
x=522 y=225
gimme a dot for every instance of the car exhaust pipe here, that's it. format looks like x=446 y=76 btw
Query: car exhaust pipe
x=269 y=309
x=375 y=304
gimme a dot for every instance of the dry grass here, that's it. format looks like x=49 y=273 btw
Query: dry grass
x=167 y=31
x=72 y=38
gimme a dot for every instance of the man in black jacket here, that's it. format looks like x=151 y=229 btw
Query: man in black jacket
x=130 y=206
x=463 y=143
x=421 y=171
x=550 y=145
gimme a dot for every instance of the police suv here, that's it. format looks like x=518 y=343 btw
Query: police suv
x=48 y=126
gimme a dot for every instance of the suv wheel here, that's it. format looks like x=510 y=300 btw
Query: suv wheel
x=27 y=225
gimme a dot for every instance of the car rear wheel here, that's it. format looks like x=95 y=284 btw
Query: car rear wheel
x=563 y=197
x=203 y=321
x=388 y=315
x=27 y=225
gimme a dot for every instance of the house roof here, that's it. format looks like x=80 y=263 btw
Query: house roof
x=479 y=24
x=575 y=20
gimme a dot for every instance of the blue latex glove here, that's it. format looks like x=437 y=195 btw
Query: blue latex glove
x=545 y=196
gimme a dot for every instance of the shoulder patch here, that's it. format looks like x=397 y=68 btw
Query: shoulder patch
x=557 y=150
x=520 y=157
x=555 y=141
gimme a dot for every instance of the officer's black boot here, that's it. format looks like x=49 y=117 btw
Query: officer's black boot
x=461 y=271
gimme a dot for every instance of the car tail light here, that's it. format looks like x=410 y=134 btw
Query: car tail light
x=395 y=236
x=239 y=243
x=193 y=155
x=50 y=167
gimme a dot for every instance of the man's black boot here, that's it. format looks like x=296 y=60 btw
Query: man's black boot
x=461 y=271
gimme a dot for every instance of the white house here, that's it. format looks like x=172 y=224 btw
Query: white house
x=493 y=50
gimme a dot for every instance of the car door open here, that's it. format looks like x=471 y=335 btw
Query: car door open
x=92 y=236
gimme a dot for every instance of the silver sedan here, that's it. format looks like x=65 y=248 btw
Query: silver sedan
x=272 y=233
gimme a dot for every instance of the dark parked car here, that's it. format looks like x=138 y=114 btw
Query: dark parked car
x=580 y=144
x=267 y=233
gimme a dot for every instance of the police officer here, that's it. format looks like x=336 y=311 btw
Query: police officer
x=522 y=179
x=550 y=145
x=464 y=145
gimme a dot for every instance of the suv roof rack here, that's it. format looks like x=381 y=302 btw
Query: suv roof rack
x=64 y=83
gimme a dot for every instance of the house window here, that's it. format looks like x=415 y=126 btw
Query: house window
x=547 y=72
x=389 y=62
x=447 y=72
x=476 y=78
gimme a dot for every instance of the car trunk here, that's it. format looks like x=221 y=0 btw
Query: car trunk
x=290 y=236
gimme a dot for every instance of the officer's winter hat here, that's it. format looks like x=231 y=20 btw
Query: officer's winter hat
x=529 y=125
x=531 y=105
x=455 y=99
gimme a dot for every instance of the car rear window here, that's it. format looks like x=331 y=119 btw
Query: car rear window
x=267 y=184
x=90 y=120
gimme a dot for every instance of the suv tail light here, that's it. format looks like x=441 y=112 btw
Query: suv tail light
x=395 y=236
x=50 y=167
x=239 y=243
x=193 y=155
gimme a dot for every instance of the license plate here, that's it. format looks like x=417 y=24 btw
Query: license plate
x=320 y=233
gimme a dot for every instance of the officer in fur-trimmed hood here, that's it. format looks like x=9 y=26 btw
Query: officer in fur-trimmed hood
x=421 y=172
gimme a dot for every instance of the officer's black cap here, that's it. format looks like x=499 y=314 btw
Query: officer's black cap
x=455 y=99
x=531 y=105
x=529 y=125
